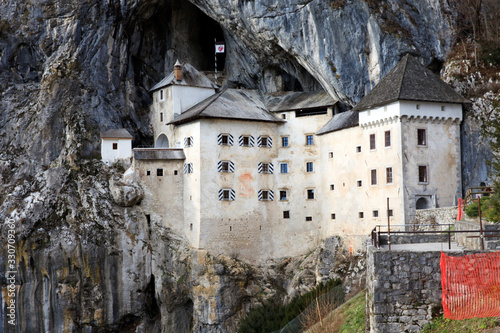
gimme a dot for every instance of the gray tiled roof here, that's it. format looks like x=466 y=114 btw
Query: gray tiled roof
x=190 y=77
x=409 y=80
x=158 y=154
x=238 y=104
x=116 y=134
x=340 y=121
x=288 y=101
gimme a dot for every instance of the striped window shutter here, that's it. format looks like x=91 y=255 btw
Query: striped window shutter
x=221 y=194
x=271 y=195
x=252 y=141
x=188 y=143
x=219 y=139
x=271 y=168
x=240 y=140
x=231 y=166
x=232 y=194
x=185 y=142
x=259 y=195
x=219 y=166
x=231 y=140
x=259 y=141
x=259 y=167
x=269 y=142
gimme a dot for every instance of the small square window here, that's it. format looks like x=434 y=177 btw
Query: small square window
x=265 y=195
x=309 y=218
x=188 y=142
x=245 y=141
x=359 y=183
x=265 y=168
x=375 y=213
x=310 y=167
x=284 y=141
x=310 y=194
x=283 y=116
x=263 y=141
x=372 y=142
x=148 y=173
x=284 y=167
x=443 y=108
x=417 y=106
x=309 y=140
x=387 y=135
x=175 y=172
x=330 y=154
x=332 y=187
x=224 y=139
x=361 y=215
x=333 y=216
x=358 y=149
x=421 y=137
x=159 y=172
x=286 y=214
x=226 y=194
x=390 y=212
x=283 y=195
x=115 y=146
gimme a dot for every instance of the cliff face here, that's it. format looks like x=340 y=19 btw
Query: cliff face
x=71 y=69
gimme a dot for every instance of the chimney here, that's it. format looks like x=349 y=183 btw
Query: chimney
x=178 y=70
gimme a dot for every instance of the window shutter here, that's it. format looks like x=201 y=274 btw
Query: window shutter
x=232 y=194
x=259 y=195
x=221 y=194
x=269 y=142
x=219 y=139
x=231 y=140
x=185 y=168
x=259 y=141
x=240 y=140
x=252 y=141
x=190 y=168
x=259 y=167
x=191 y=141
x=219 y=166
x=271 y=195
x=271 y=168
x=231 y=166
x=185 y=142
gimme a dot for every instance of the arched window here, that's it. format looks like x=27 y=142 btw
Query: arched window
x=422 y=203
x=162 y=141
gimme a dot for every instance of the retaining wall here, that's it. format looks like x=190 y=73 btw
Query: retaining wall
x=464 y=239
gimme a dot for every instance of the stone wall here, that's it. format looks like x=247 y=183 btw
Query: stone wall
x=416 y=238
x=464 y=239
x=446 y=215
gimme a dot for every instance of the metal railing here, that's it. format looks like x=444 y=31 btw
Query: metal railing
x=474 y=193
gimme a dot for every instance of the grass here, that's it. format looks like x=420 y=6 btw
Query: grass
x=441 y=324
x=348 y=318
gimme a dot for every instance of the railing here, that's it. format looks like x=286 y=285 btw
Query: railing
x=377 y=232
x=476 y=192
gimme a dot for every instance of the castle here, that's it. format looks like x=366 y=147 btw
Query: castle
x=261 y=175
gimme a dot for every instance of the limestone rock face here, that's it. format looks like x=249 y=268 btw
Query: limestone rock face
x=125 y=193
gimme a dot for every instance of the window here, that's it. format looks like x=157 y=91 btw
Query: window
x=226 y=194
x=283 y=195
x=417 y=106
x=372 y=142
x=175 y=172
x=310 y=194
x=188 y=142
x=333 y=216
x=225 y=166
x=375 y=213
x=359 y=183
x=162 y=95
x=284 y=141
x=264 y=141
x=148 y=173
x=115 y=146
x=265 y=195
x=421 y=137
x=265 y=168
x=310 y=166
x=358 y=149
x=161 y=116
x=309 y=218
x=361 y=215
x=283 y=116
x=159 y=172
x=422 y=174
x=330 y=154
x=332 y=187
x=188 y=168
x=390 y=212
x=284 y=167
x=388 y=175
x=309 y=140
x=387 y=135
x=373 y=177
x=225 y=140
x=286 y=214
x=246 y=141
x=443 y=108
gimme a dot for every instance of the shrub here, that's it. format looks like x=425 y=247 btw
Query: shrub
x=472 y=210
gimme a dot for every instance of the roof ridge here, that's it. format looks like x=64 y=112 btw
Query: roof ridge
x=405 y=64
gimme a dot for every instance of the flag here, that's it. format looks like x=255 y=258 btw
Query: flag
x=220 y=48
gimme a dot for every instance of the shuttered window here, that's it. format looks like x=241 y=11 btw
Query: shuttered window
x=246 y=141
x=265 y=168
x=188 y=167
x=265 y=141
x=225 y=140
x=188 y=142
x=266 y=195
x=225 y=166
x=226 y=194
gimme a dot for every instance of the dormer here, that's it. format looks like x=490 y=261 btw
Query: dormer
x=410 y=90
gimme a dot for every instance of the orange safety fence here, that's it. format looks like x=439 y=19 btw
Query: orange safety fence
x=459 y=215
x=471 y=285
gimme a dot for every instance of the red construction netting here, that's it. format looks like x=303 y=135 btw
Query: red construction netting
x=471 y=285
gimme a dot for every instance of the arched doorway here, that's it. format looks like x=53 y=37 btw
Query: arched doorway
x=162 y=141
x=422 y=203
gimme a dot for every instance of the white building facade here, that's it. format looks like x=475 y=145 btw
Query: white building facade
x=116 y=145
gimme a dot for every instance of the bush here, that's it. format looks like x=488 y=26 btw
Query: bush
x=491 y=55
x=472 y=210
